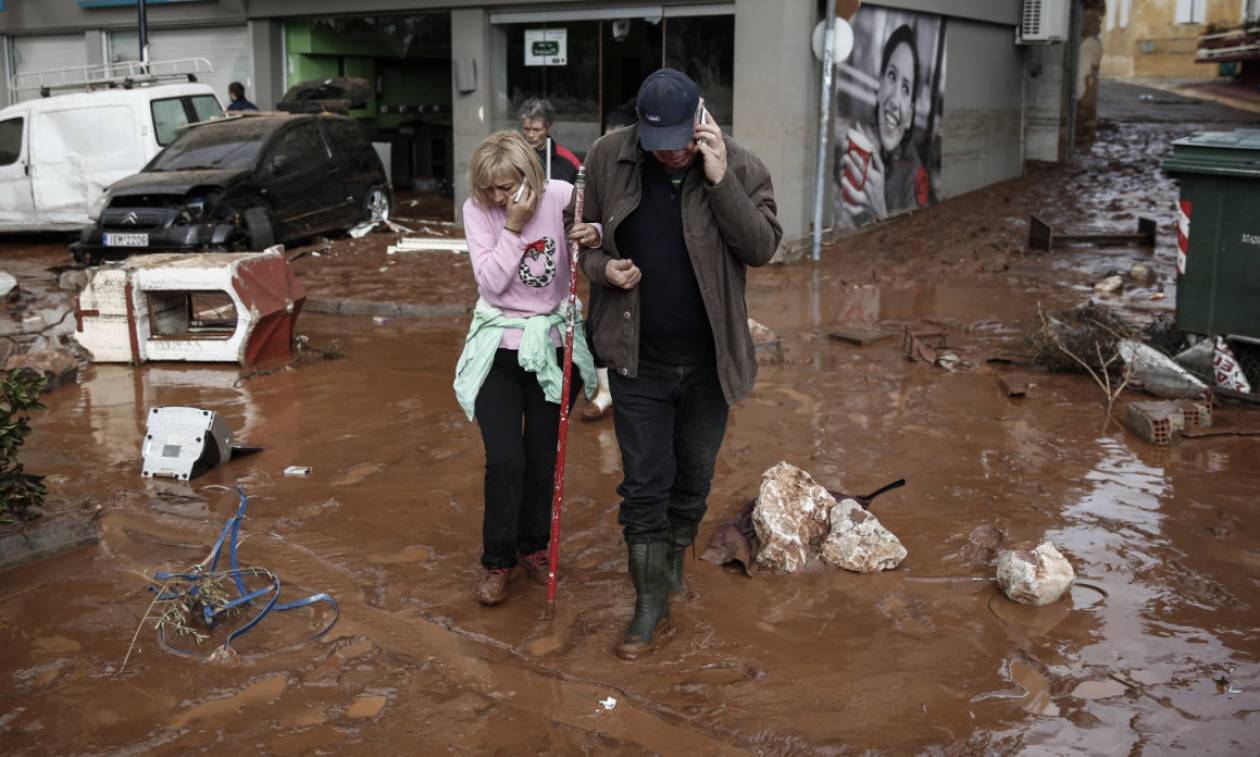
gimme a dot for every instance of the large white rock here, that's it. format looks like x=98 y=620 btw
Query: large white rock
x=791 y=518
x=1034 y=576
x=859 y=542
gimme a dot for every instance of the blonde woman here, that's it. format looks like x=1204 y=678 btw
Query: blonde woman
x=509 y=376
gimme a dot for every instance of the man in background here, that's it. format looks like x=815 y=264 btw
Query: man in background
x=236 y=94
x=537 y=116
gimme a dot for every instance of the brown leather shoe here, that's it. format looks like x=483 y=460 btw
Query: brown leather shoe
x=494 y=586
x=536 y=565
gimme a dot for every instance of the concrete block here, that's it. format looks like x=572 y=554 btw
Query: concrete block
x=44 y=537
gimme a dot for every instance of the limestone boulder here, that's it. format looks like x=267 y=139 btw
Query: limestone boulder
x=859 y=542
x=791 y=518
x=1034 y=575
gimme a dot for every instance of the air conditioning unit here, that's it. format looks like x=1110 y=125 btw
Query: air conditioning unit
x=1043 y=22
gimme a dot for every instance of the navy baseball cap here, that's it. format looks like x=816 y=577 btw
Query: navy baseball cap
x=667 y=110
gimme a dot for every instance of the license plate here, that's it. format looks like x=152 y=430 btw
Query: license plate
x=126 y=240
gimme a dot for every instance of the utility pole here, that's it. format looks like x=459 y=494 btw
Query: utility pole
x=144 y=34
x=824 y=128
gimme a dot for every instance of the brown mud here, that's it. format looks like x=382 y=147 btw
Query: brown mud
x=1156 y=649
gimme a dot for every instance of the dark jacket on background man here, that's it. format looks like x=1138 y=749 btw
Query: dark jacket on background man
x=564 y=164
x=727 y=227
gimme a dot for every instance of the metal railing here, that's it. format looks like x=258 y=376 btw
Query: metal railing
x=125 y=74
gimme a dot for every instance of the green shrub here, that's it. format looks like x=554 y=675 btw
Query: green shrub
x=21 y=493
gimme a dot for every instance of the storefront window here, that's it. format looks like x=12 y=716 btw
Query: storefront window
x=703 y=47
x=559 y=62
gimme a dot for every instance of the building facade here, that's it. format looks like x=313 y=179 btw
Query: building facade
x=1158 y=39
x=447 y=74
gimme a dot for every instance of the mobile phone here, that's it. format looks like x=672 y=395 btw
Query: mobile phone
x=519 y=193
x=702 y=116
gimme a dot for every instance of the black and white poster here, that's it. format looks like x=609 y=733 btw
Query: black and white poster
x=889 y=100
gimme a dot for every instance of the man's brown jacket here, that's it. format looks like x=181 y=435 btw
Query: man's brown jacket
x=727 y=227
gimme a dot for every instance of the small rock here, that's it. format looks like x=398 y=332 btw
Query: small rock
x=859 y=542
x=792 y=518
x=7 y=283
x=1109 y=285
x=72 y=280
x=1034 y=576
x=1140 y=272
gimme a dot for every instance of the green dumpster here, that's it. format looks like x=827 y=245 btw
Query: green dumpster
x=1218 y=232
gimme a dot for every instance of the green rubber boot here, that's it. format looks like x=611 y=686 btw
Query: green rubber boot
x=681 y=536
x=649 y=569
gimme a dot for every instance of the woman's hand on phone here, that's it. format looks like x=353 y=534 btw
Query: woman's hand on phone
x=520 y=211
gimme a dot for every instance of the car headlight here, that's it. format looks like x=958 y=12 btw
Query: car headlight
x=98 y=207
x=195 y=207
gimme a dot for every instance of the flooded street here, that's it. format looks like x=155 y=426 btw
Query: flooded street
x=1156 y=650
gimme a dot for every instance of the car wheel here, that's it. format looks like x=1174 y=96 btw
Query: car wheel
x=376 y=204
x=258 y=228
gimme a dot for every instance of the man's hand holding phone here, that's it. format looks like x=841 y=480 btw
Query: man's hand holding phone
x=709 y=139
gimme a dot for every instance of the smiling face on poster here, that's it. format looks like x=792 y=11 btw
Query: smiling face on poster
x=889 y=97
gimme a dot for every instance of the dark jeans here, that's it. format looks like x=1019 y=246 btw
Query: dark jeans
x=520 y=460
x=670 y=421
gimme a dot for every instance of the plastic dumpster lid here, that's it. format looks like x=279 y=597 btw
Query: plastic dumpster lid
x=1219 y=153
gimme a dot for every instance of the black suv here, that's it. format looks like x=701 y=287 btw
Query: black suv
x=242 y=183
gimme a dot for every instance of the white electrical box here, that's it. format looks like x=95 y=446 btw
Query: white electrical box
x=1043 y=22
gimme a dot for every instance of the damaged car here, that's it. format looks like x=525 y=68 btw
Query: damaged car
x=242 y=183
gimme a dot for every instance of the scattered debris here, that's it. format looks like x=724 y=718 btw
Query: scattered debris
x=422 y=244
x=297 y=470
x=1088 y=338
x=1109 y=285
x=196 y=601
x=794 y=519
x=1152 y=370
x=1197 y=358
x=208 y=307
x=1034 y=576
x=859 y=542
x=1014 y=386
x=1041 y=236
x=1225 y=369
x=766 y=344
x=1140 y=272
x=861 y=336
x=184 y=442
x=608 y=703
x=1158 y=421
x=57 y=365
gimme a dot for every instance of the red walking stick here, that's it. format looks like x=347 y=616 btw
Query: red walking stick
x=562 y=442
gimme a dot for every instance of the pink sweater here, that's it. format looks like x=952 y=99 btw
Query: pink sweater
x=526 y=274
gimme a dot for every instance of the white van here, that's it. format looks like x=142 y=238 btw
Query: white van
x=59 y=153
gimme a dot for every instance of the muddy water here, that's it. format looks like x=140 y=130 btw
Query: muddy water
x=1156 y=649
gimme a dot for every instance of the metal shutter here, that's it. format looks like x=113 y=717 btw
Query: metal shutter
x=226 y=47
x=46 y=53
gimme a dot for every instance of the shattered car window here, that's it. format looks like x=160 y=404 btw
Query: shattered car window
x=10 y=141
x=226 y=145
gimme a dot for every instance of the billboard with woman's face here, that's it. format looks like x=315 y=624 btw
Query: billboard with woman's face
x=889 y=96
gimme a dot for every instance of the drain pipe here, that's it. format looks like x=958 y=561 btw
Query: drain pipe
x=824 y=127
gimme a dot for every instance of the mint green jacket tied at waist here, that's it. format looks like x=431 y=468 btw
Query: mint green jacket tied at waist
x=536 y=353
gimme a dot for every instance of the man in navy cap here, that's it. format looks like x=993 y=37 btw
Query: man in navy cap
x=685 y=211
